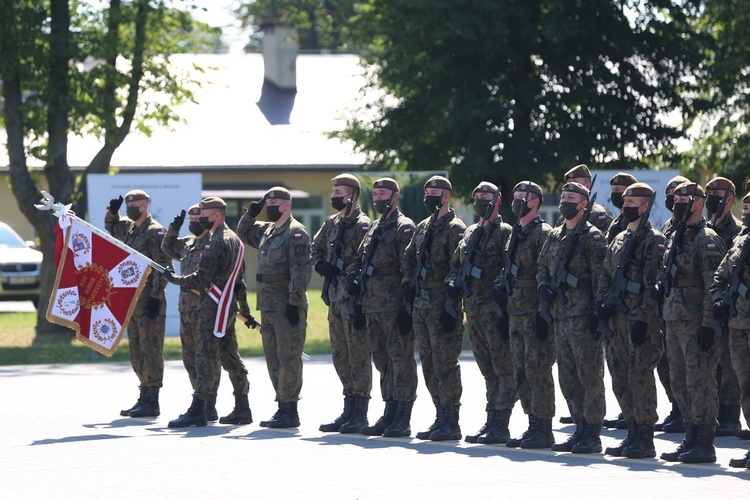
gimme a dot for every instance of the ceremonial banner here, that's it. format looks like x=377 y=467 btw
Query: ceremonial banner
x=97 y=285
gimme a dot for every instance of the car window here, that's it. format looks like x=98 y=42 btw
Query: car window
x=8 y=239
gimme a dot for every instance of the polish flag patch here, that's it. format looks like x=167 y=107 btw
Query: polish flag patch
x=596 y=236
x=711 y=245
x=460 y=235
x=160 y=233
x=364 y=228
x=407 y=230
x=602 y=216
x=661 y=247
x=297 y=236
x=207 y=247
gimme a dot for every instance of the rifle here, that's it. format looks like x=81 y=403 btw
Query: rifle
x=615 y=297
x=671 y=269
x=420 y=272
x=720 y=208
x=510 y=268
x=336 y=260
x=367 y=269
x=468 y=270
x=736 y=288
x=561 y=274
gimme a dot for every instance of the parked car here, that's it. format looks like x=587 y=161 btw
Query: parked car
x=20 y=267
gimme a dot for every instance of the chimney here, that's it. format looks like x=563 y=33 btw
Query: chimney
x=280 y=50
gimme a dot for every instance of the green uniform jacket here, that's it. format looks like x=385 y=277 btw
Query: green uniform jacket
x=723 y=276
x=525 y=299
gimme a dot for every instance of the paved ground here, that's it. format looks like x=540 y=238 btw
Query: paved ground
x=62 y=436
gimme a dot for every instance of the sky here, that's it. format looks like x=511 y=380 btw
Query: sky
x=219 y=13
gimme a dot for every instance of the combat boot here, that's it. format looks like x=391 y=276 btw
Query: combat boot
x=149 y=406
x=516 y=442
x=400 y=426
x=741 y=463
x=498 y=432
x=541 y=435
x=590 y=441
x=286 y=417
x=211 y=414
x=573 y=439
x=643 y=446
x=439 y=414
x=196 y=415
x=491 y=413
x=617 y=423
x=743 y=434
x=673 y=423
x=686 y=444
x=341 y=419
x=629 y=439
x=358 y=420
x=384 y=421
x=703 y=450
x=241 y=414
x=126 y=413
x=449 y=430
x=729 y=420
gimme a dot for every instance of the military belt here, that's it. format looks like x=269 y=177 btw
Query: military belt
x=516 y=283
x=385 y=271
x=687 y=282
x=431 y=284
x=483 y=282
x=271 y=278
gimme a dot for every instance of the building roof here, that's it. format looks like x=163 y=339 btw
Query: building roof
x=231 y=124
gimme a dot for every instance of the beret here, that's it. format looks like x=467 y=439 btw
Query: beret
x=213 y=202
x=278 y=192
x=484 y=187
x=387 y=183
x=578 y=171
x=528 y=187
x=574 y=187
x=639 y=189
x=195 y=209
x=720 y=183
x=136 y=195
x=438 y=182
x=346 y=180
x=675 y=181
x=622 y=179
x=689 y=188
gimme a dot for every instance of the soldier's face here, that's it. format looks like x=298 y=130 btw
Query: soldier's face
x=483 y=195
x=618 y=189
x=577 y=198
x=634 y=201
x=341 y=192
x=584 y=181
x=745 y=208
x=382 y=194
x=532 y=200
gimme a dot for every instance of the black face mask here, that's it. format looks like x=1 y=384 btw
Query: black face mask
x=431 y=202
x=631 y=214
x=746 y=219
x=133 y=213
x=338 y=203
x=617 y=200
x=273 y=213
x=196 y=228
x=712 y=203
x=519 y=208
x=669 y=203
x=380 y=205
x=205 y=224
x=679 y=211
x=480 y=207
x=569 y=209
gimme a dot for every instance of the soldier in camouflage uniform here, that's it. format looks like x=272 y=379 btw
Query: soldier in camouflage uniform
x=600 y=217
x=739 y=325
x=636 y=346
x=143 y=233
x=580 y=362
x=333 y=249
x=219 y=267
x=392 y=351
x=727 y=227
x=688 y=312
x=533 y=355
x=284 y=272
x=424 y=271
x=491 y=347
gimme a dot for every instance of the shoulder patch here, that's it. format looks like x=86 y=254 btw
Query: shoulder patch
x=300 y=250
x=461 y=235
x=207 y=247
x=661 y=247
x=297 y=236
x=710 y=245
x=596 y=236
x=364 y=227
x=602 y=216
x=160 y=233
x=407 y=230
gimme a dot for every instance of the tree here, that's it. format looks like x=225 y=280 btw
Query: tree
x=502 y=91
x=81 y=70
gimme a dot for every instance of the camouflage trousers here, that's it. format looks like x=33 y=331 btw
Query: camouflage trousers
x=662 y=368
x=739 y=340
x=282 y=346
x=726 y=375
x=350 y=351
x=632 y=369
x=146 y=343
x=693 y=373
x=213 y=353
x=438 y=354
x=532 y=367
x=580 y=368
x=393 y=356
x=493 y=357
x=189 y=333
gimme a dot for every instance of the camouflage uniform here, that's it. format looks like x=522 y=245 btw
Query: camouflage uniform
x=600 y=218
x=217 y=262
x=532 y=358
x=632 y=366
x=145 y=335
x=618 y=225
x=688 y=306
x=662 y=368
x=438 y=351
x=392 y=352
x=284 y=273
x=491 y=352
x=580 y=361
x=349 y=347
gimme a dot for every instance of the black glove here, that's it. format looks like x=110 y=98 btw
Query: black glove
x=595 y=333
x=541 y=327
x=292 y=314
x=452 y=290
x=178 y=221
x=499 y=294
x=152 y=307
x=705 y=338
x=721 y=310
x=168 y=275
x=114 y=205
x=255 y=207
x=403 y=320
x=638 y=330
x=359 y=320
x=503 y=325
x=448 y=322
x=251 y=322
x=410 y=293
x=602 y=311
x=352 y=285
x=546 y=293
x=326 y=269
